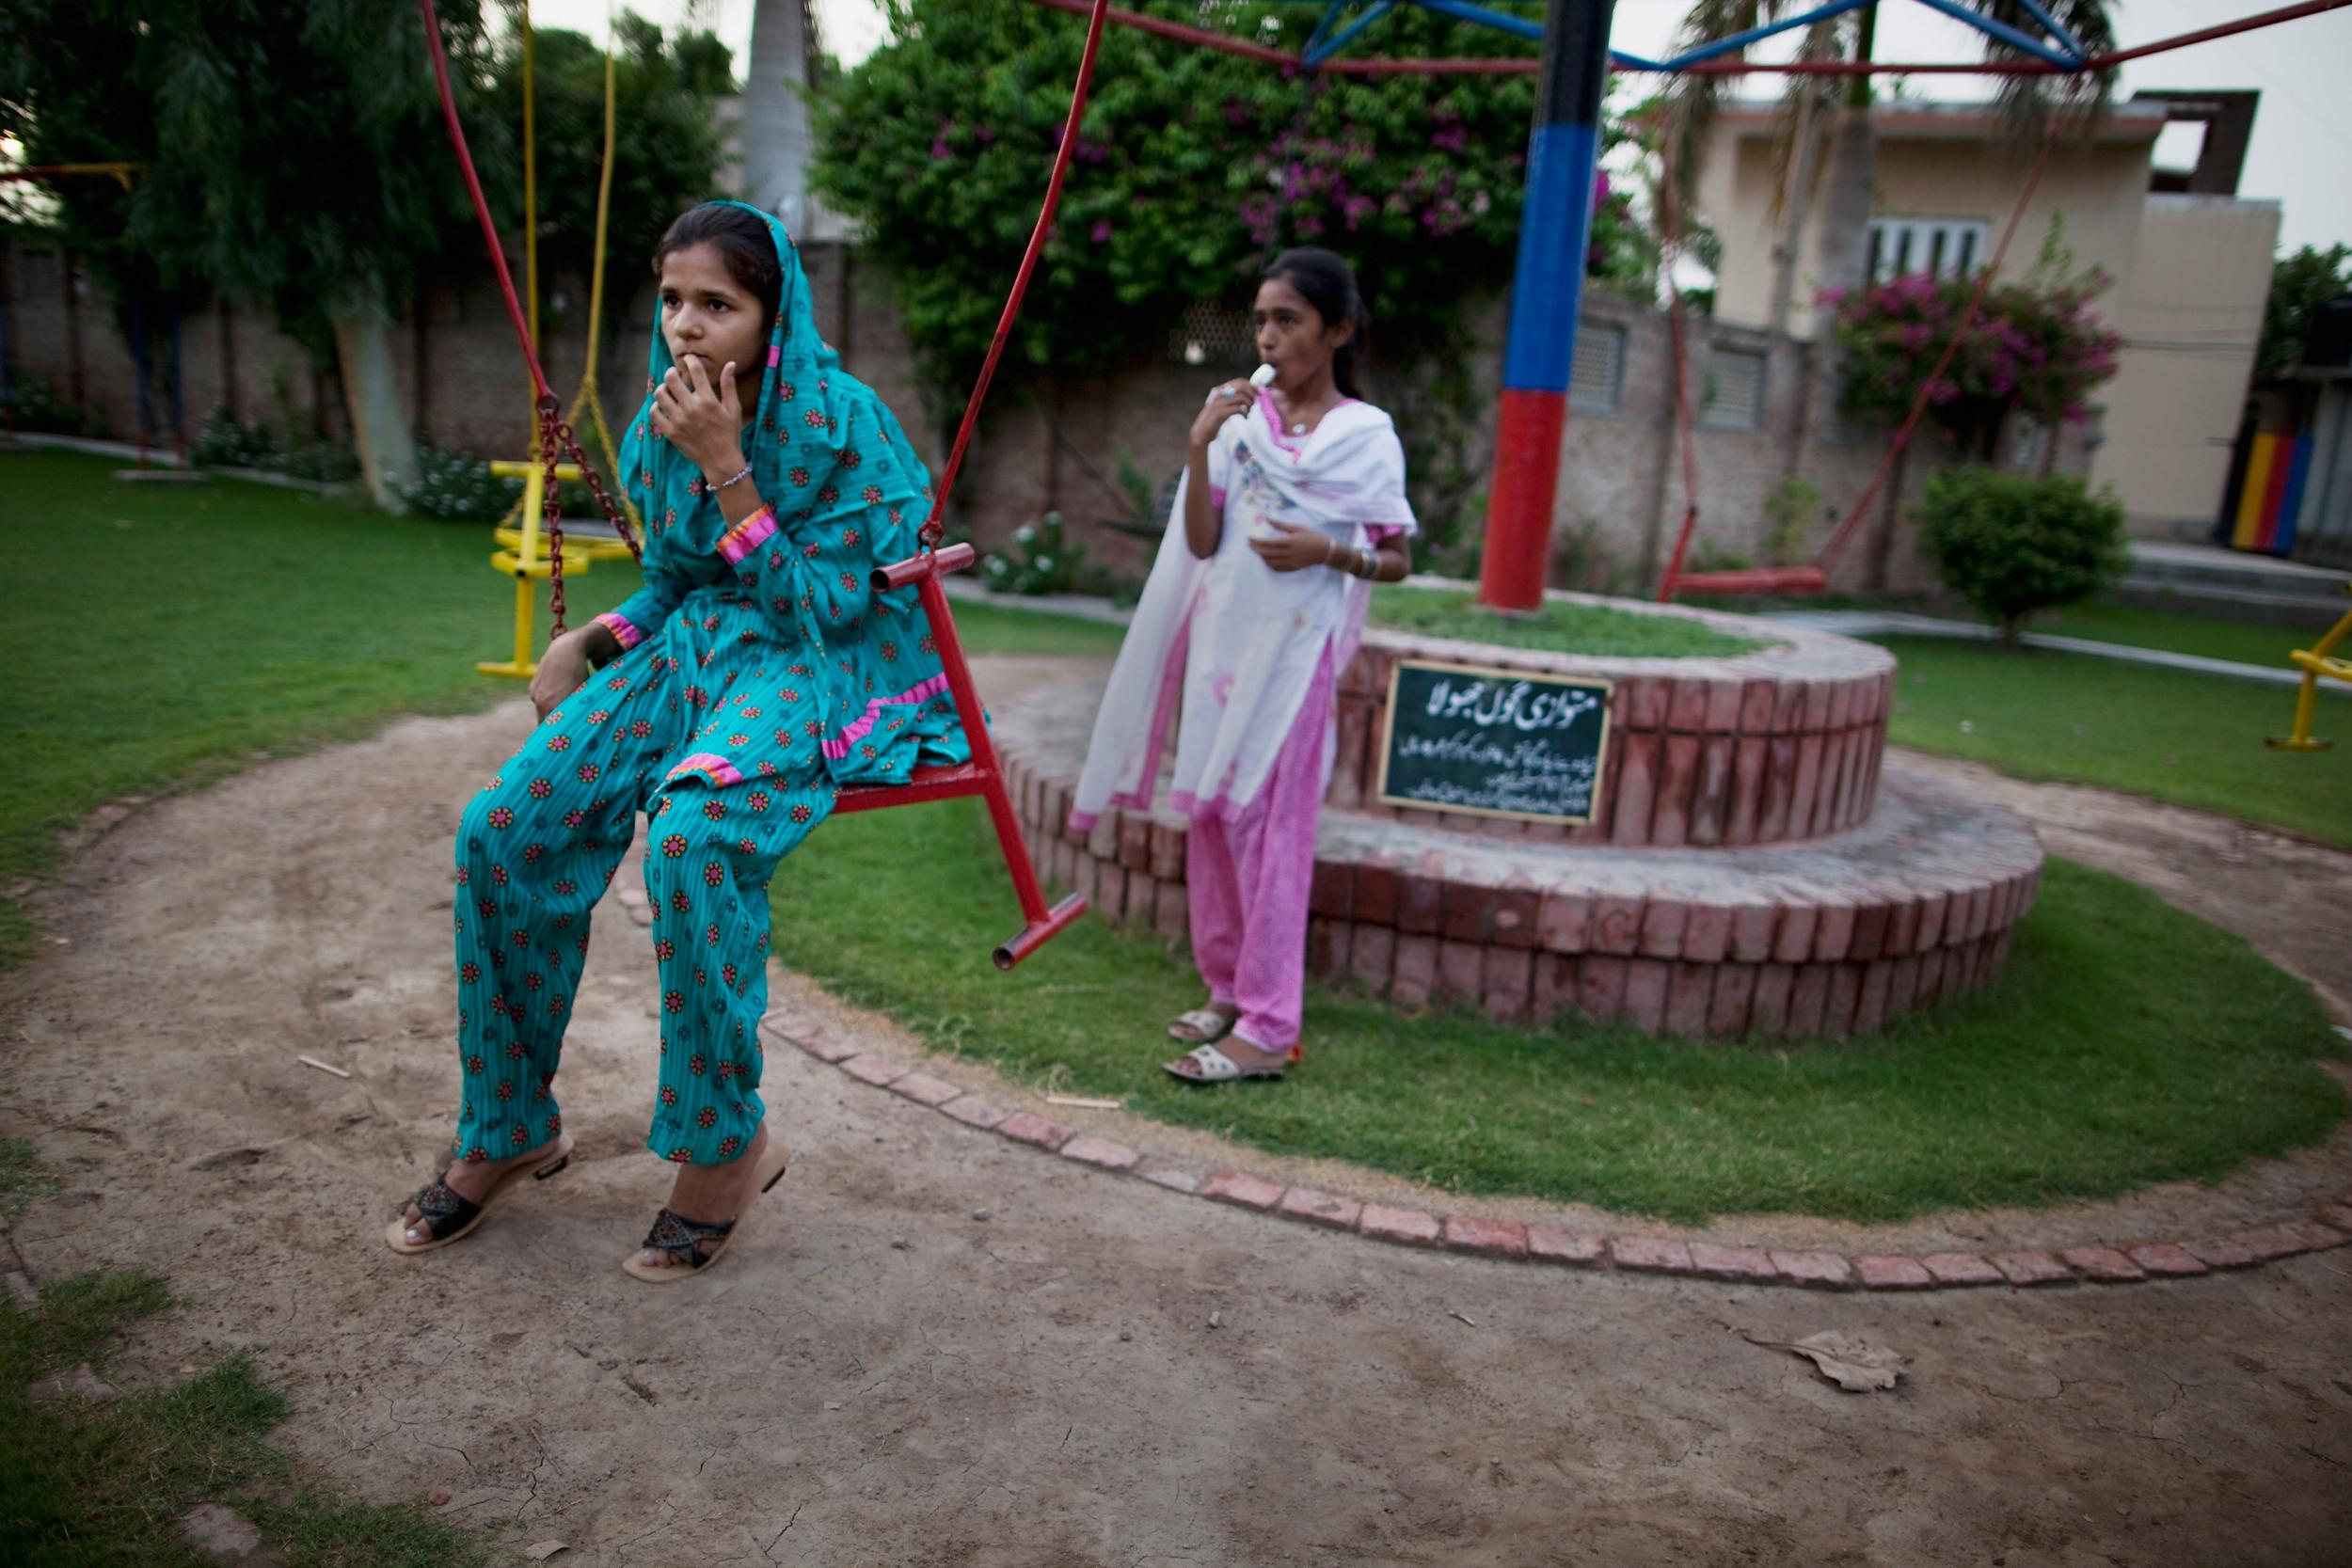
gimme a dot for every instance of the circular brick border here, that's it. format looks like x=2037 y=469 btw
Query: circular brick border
x=1792 y=940
x=2327 y=1225
x=1772 y=746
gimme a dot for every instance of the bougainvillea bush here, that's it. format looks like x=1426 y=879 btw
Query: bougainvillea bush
x=2034 y=347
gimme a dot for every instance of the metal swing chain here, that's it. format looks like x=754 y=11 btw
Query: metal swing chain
x=556 y=441
x=552 y=506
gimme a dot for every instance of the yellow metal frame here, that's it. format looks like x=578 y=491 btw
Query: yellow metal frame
x=2314 y=662
x=521 y=555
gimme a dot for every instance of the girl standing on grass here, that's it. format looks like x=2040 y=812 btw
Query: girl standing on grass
x=1291 y=506
x=753 y=674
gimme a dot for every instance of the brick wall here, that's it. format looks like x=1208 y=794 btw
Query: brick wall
x=1038 y=448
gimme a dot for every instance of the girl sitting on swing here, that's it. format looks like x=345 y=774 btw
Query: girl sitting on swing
x=1292 y=506
x=755 y=673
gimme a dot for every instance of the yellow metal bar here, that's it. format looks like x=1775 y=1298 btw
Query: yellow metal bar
x=2314 y=662
x=531 y=210
x=604 y=205
x=531 y=474
x=531 y=180
x=2336 y=633
x=526 y=592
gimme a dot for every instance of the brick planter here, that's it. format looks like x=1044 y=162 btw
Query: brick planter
x=1798 y=934
x=1761 y=748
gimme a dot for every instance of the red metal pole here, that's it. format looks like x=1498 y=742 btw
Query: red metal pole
x=1555 y=230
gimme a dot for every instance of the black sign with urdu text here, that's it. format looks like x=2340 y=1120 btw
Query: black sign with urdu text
x=1497 y=742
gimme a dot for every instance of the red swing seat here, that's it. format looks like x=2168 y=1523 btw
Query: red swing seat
x=1754 y=579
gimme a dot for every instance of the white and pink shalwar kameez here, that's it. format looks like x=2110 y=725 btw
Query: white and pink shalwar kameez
x=1253 y=654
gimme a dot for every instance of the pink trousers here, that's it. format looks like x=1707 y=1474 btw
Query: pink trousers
x=1250 y=875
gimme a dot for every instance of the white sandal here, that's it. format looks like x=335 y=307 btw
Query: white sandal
x=1216 y=1068
x=1206 y=1023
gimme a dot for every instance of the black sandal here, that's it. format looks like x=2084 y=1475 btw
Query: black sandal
x=682 y=1238
x=448 y=1216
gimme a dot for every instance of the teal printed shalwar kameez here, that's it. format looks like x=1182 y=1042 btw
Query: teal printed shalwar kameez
x=761 y=672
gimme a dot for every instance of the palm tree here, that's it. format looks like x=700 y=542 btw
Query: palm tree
x=775 y=109
x=1692 y=101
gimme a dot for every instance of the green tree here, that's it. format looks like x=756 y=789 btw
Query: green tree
x=1192 y=171
x=666 y=145
x=2298 y=286
x=291 y=153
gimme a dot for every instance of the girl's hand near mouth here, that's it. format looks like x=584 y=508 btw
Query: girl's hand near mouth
x=702 y=420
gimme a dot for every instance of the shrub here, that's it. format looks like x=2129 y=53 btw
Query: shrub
x=30 y=405
x=458 y=487
x=1037 y=560
x=293 y=445
x=1790 y=510
x=221 y=442
x=2010 y=545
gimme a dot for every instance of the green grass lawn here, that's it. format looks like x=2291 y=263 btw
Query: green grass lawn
x=176 y=633
x=1581 y=628
x=2185 y=634
x=2196 y=739
x=2074 y=1078
x=103 y=1486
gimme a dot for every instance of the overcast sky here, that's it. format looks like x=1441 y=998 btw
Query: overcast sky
x=2302 y=156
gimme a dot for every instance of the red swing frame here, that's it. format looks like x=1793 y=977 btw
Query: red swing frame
x=984 y=774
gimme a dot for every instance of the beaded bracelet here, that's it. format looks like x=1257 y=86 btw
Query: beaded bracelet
x=736 y=478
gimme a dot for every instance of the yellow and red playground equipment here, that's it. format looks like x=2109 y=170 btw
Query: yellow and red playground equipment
x=984 y=774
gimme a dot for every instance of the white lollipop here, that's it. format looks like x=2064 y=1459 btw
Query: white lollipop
x=1262 y=377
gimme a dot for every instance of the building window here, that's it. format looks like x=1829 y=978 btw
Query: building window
x=1733 y=395
x=1941 y=247
x=1596 y=378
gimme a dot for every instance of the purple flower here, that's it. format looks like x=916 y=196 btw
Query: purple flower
x=1101 y=231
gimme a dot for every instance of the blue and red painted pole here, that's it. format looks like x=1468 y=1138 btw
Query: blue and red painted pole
x=1555 y=232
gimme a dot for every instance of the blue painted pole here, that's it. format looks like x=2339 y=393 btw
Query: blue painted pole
x=1555 y=234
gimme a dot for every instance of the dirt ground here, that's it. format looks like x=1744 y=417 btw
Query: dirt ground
x=2286 y=894
x=933 y=1347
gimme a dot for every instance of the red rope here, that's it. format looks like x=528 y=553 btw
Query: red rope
x=1943 y=361
x=1671 y=226
x=481 y=204
x=932 y=529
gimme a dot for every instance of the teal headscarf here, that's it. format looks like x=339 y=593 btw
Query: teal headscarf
x=845 y=493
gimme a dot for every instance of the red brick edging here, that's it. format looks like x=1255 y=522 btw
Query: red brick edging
x=2328 y=1225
